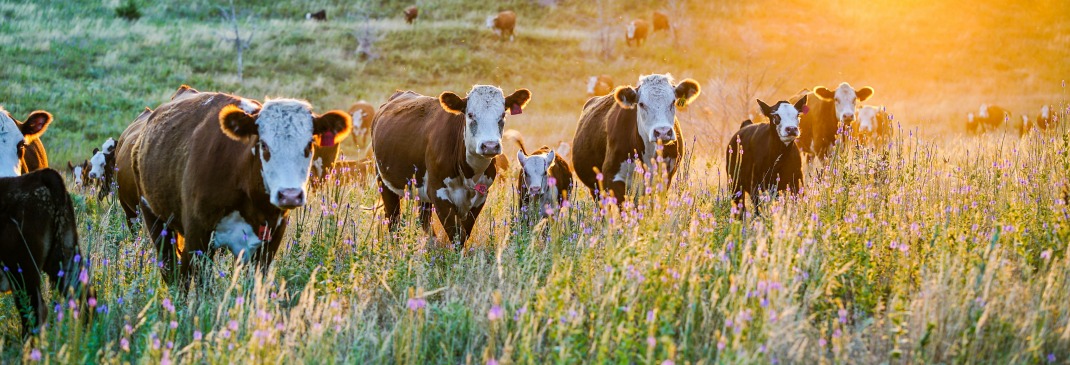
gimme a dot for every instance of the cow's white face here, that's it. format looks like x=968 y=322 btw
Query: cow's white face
x=631 y=30
x=490 y=24
x=15 y=136
x=77 y=171
x=235 y=234
x=285 y=130
x=656 y=99
x=785 y=118
x=591 y=83
x=97 y=163
x=536 y=176
x=846 y=99
x=1045 y=112
x=867 y=119
x=983 y=111
x=484 y=116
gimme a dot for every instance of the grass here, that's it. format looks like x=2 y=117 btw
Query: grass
x=939 y=248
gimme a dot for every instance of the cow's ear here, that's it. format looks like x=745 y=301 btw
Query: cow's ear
x=626 y=97
x=453 y=103
x=801 y=104
x=518 y=100
x=550 y=159
x=35 y=125
x=824 y=93
x=95 y=151
x=70 y=166
x=520 y=157
x=864 y=93
x=332 y=127
x=766 y=110
x=686 y=92
x=236 y=123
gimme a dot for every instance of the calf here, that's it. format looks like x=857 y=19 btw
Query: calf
x=545 y=179
x=319 y=16
x=20 y=147
x=764 y=157
x=38 y=237
x=661 y=22
x=444 y=149
x=636 y=32
x=634 y=125
x=829 y=111
x=208 y=164
x=102 y=167
x=599 y=85
x=874 y=125
x=1047 y=119
x=991 y=117
x=411 y=13
x=80 y=172
x=503 y=24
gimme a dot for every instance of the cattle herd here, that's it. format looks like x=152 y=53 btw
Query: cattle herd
x=209 y=171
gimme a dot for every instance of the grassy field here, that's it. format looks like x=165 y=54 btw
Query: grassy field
x=938 y=248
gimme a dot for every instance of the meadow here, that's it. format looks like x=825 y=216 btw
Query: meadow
x=940 y=247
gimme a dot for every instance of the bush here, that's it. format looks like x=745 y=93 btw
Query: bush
x=128 y=11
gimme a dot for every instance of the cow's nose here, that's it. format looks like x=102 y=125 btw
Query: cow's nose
x=291 y=198
x=792 y=131
x=491 y=148
x=534 y=189
x=94 y=175
x=848 y=117
x=664 y=134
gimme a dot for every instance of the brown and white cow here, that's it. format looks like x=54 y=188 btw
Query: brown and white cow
x=873 y=125
x=661 y=22
x=411 y=13
x=764 y=157
x=80 y=172
x=20 y=147
x=219 y=171
x=444 y=149
x=829 y=112
x=990 y=118
x=1047 y=119
x=319 y=16
x=599 y=85
x=636 y=32
x=503 y=24
x=39 y=237
x=325 y=158
x=545 y=179
x=102 y=168
x=633 y=122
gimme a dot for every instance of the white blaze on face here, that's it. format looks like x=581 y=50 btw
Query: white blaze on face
x=656 y=108
x=285 y=130
x=983 y=112
x=490 y=24
x=591 y=82
x=631 y=30
x=969 y=118
x=465 y=193
x=846 y=102
x=788 y=126
x=867 y=119
x=96 y=165
x=536 y=176
x=1045 y=112
x=235 y=234
x=77 y=175
x=484 y=119
x=10 y=139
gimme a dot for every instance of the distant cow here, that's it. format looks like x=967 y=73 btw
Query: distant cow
x=636 y=32
x=763 y=157
x=873 y=126
x=599 y=85
x=633 y=122
x=545 y=180
x=220 y=171
x=80 y=172
x=38 y=237
x=661 y=21
x=20 y=147
x=318 y=16
x=991 y=117
x=829 y=112
x=324 y=158
x=1047 y=119
x=411 y=13
x=503 y=24
x=444 y=149
x=102 y=167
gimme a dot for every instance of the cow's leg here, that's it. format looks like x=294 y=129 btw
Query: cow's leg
x=32 y=312
x=391 y=205
x=469 y=220
x=163 y=240
x=452 y=222
x=267 y=251
x=196 y=242
x=425 y=217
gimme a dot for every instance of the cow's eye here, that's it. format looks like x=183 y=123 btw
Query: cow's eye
x=265 y=151
x=642 y=105
x=471 y=116
x=308 y=150
x=21 y=148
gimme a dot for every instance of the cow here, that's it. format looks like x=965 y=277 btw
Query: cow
x=873 y=125
x=411 y=13
x=599 y=85
x=20 y=148
x=216 y=171
x=991 y=118
x=661 y=22
x=545 y=180
x=829 y=111
x=636 y=32
x=125 y=179
x=764 y=157
x=319 y=16
x=1047 y=119
x=38 y=237
x=325 y=158
x=971 y=124
x=444 y=149
x=102 y=168
x=633 y=125
x=80 y=172
x=1025 y=126
x=503 y=24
